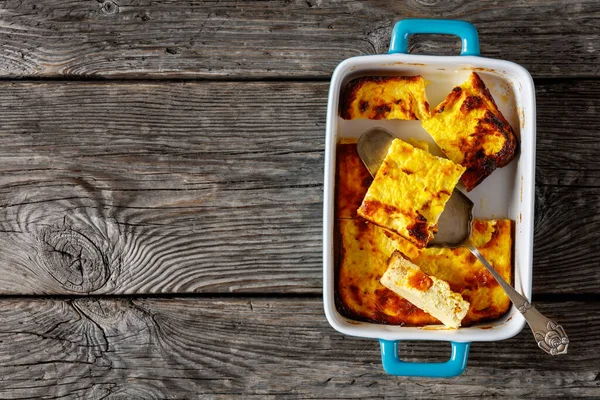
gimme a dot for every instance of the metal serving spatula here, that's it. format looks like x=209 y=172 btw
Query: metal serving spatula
x=454 y=230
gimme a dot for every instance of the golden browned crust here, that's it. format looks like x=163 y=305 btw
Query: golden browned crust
x=468 y=148
x=376 y=106
x=352 y=181
x=479 y=166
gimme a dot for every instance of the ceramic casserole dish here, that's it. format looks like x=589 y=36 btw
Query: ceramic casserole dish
x=507 y=193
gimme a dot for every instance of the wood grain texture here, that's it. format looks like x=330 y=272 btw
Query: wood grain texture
x=565 y=256
x=161 y=187
x=260 y=348
x=286 y=38
x=197 y=187
x=568 y=138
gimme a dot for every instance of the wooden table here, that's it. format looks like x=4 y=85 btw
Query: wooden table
x=161 y=180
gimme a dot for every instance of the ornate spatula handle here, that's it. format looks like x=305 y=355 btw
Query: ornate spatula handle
x=550 y=336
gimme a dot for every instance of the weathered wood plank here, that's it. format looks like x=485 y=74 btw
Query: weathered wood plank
x=197 y=187
x=287 y=38
x=565 y=255
x=260 y=348
x=158 y=188
x=568 y=132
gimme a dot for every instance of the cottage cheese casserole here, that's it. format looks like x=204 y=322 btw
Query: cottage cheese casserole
x=363 y=257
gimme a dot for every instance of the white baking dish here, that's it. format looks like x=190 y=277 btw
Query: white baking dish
x=507 y=193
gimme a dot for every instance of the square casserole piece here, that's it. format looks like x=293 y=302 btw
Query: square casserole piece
x=410 y=192
x=471 y=131
x=385 y=97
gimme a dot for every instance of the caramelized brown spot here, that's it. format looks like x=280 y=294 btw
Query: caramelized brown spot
x=384 y=169
x=352 y=181
x=491 y=120
x=383 y=297
x=362 y=226
x=478 y=167
x=364 y=105
x=418 y=230
x=369 y=207
x=420 y=281
x=355 y=294
x=481 y=278
x=388 y=300
x=348 y=96
x=479 y=226
x=471 y=103
x=471 y=258
x=441 y=192
x=388 y=233
x=407 y=171
x=389 y=209
x=381 y=111
x=427 y=205
x=414 y=78
x=457 y=288
x=479 y=85
x=407 y=307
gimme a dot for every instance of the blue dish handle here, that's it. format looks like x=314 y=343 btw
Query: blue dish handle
x=466 y=31
x=453 y=367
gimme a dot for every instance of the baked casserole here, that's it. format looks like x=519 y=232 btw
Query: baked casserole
x=363 y=251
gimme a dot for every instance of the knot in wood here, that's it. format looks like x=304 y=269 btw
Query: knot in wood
x=74 y=260
x=110 y=7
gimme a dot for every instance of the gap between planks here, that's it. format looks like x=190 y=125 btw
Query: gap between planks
x=233 y=79
x=537 y=297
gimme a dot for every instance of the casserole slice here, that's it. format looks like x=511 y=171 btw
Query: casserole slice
x=409 y=192
x=471 y=131
x=385 y=97
x=427 y=292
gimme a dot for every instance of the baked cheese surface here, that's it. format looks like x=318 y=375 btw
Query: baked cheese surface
x=364 y=252
x=471 y=131
x=364 y=249
x=427 y=292
x=467 y=276
x=385 y=97
x=352 y=181
x=410 y=191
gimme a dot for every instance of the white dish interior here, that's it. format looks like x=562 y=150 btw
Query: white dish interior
x=507 y=193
